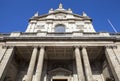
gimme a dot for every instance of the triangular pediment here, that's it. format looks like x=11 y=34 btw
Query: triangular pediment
x=60 y=15
x=59 y=70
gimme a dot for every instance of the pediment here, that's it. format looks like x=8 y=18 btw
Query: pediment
x=60 y=15
x=59 y=71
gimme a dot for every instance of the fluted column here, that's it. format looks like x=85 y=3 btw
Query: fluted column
x=113 y=62
x=79 y=64
x=86 y=62
x=40 y=64
x=6 y=61
x=32 y=64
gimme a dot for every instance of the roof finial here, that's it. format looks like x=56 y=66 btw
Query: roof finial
x=36 y=14
x=51 y=10
x=84 y=14
x=69 y=10
x=60 y=5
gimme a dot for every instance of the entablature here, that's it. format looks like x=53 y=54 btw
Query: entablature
x=71 y=36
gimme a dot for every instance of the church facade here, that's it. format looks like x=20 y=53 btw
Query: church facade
x=60 y=46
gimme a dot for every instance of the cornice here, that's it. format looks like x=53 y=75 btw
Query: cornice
x=70 y=36
x=57 y=12
x=59 y=39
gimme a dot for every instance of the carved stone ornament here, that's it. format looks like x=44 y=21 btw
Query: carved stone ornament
x=60 y=16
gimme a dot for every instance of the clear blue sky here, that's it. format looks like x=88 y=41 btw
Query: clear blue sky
x=14 y=14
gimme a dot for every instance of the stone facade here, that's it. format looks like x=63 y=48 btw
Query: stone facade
x=60 y=16
x=60 y=46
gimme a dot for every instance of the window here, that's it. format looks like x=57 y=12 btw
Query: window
x=60 y=28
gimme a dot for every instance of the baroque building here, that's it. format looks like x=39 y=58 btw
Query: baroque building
x=60 y=46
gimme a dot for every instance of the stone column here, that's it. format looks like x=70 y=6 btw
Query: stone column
x=32 y=64
x=75 y=77
x=87 y=67
x=6 y=61
x=2 y=52
x=44 y=71
x=79 y=64
x=113 y=62
x=40 y=64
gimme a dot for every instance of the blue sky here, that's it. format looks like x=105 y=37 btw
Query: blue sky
x=14 y=14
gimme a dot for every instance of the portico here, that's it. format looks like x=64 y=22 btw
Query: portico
x=56 y=63
x=60 y=46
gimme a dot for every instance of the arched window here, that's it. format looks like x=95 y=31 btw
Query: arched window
x=60 y=28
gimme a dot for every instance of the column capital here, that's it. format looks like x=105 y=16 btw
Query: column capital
x=110 y=46
x=77 y=46
x=10 y=46
x=115 y=46
x=83 y=46
x=41 y=46
x=4 y=46
x=35 y=46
